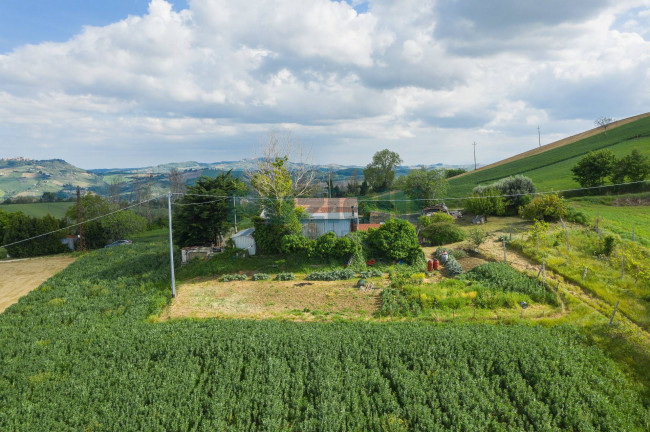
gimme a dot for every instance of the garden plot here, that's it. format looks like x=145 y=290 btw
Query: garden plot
x=299 y=300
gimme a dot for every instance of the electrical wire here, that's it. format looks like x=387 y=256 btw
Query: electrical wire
x=81 y=223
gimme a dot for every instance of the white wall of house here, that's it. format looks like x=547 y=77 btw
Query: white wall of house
x=244 y=240
x=317 y=227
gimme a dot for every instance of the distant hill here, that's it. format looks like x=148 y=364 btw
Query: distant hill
x=21 y=177
x=26 y=177
x=550 y=166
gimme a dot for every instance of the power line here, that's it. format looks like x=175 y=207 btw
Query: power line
x=78 y=224
x=431 y=199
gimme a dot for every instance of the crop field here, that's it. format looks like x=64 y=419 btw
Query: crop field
x=85 y=351
x=551 y=170
x=56 y=209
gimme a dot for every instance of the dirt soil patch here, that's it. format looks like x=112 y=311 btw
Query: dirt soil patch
x=19 y=277
x=296 y=300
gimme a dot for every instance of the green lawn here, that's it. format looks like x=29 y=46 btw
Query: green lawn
x=56 y=209
x=551 y=170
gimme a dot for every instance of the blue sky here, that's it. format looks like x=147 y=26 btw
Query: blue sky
x=137 y=82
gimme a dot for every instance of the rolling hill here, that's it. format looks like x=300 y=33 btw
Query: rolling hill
x=550 y=166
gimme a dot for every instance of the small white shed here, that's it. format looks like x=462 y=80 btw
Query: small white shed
x=244 y=240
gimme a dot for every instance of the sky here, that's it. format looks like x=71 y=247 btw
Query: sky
x=131 y=83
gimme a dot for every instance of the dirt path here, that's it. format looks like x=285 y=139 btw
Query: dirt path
x=19 y=277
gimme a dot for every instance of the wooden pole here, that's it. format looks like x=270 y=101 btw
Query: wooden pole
x=613 y=313
x=584 y=275
x=623 y=267
x=633 y=235
x=505 y=260
x=544 y=271
x=567 y=233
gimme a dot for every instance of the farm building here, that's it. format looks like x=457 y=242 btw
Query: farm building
x=339 y=215
x=244 y=240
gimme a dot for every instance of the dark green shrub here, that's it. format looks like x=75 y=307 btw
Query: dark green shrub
x=453 y=268
x=395 y=240
x=370 y=273
x=609 y=243
x=326 y=245
x=3 y=253
x=233 y=277
x=260 y=276
x=332 y=275
x=285 y=277
x=297 y=244
x=576 y=216
x=443 y=233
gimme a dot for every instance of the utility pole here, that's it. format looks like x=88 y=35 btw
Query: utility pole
x=474 y=155
x=234 y=206
x=80 y=226
x=171 y=245
x=539 y=137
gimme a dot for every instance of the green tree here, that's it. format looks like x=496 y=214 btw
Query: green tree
x=98 y=233
x=20 y=227
x=594 y=168
x=515 y=189
x=488 y=202
x=380 y=173
x=395 y=239
x=426 y=185
x=633 y=167
x=199 y=220
x=363 y=189
x=453 y=172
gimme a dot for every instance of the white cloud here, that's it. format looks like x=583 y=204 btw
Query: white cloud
x=424 y=77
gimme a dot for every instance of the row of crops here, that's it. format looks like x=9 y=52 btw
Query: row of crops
x=81 y=354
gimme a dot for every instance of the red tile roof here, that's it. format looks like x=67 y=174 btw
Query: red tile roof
x=328 y=205
x=364 y=227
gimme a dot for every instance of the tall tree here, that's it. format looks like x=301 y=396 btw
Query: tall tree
x=426 y=185
x=633 y=167
x=594 y=168
x=201 y=219
x=380 y=173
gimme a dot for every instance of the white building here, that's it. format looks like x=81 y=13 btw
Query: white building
x=244 y=240
x=338 y=215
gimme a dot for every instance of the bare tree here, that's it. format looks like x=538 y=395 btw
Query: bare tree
x=281 y=155
x=176 y=181
x=603 y=122
x=114 y=189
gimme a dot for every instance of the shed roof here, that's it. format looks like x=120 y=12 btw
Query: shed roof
x=364 y=227
x=245 y=232
x=329 y=208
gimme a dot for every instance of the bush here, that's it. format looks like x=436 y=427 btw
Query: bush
x=233 y=277
x=453 y=268
x=260 y=276
x=332 y=275
x=395 y=240
x=442 y=233
x=548 y=207
x=371 y=273
x=609 y=243
x=456 y=253
x=326 y=245
x=520 y=186
x=417 y=278
x=576 y=216
x=477 y=236
x=284 y=277
x=3 y=253
x=297 y=244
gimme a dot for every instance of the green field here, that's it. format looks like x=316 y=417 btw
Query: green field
x=618 y=219
x=551 y=170
x=56 y=209
x=85 y=352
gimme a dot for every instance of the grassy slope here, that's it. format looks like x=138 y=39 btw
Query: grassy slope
x=57 y=209
x=551 y=169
